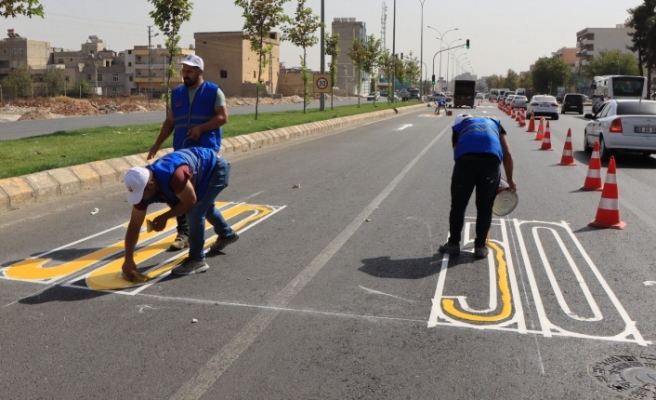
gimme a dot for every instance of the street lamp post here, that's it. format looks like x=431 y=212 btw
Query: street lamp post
x=447 y=60
x=322 y=98
x=421 y=72
x=441 y=45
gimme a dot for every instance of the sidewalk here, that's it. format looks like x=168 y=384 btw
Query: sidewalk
x=23 y=191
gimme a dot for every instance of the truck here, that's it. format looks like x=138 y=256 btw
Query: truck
x=464 y=94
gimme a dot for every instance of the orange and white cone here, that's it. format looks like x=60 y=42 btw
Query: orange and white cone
x=546 y=141
x=517 y=114
x=568 y=154
x=540 y=134
x=608 y=212
x=512 y=113
x=531 y=124
x=522 y=120
x=593 y=178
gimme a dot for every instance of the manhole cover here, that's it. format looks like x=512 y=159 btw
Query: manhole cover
x=630 y=376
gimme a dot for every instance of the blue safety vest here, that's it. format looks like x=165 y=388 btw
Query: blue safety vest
x=186 y=116
x=201 y=162
x=478 y=135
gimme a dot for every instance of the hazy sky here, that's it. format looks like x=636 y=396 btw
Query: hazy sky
x=504 y=34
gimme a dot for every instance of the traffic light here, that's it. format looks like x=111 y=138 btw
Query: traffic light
x=467 y=44
x=433 y=79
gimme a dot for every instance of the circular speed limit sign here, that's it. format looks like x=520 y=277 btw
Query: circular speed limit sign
x=322 y=83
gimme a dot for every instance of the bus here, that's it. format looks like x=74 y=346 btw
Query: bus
x=619 y=87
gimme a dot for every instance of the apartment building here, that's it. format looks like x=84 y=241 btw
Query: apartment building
x=17 y=51
x=592 y=41
x=347 y=74
x=146 y=68
x=230 y=62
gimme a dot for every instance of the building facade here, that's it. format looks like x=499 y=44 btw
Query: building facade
x=147 y=69
x=230 y=62
x=17 y=51
x=347 y=74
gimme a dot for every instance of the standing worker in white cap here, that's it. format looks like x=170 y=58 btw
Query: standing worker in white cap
x=480 y=147
x=188 y=180
x=198 y=111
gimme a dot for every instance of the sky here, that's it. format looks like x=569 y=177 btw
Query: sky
x=503 y=34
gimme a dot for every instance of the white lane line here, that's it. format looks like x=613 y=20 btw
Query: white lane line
x=198 y=385
x=385 y=294
x=404 y=126
x=649 y=283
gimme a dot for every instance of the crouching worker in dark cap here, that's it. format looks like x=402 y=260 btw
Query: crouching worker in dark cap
x=480 y=147
x=189 y=181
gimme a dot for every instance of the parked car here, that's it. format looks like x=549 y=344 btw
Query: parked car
x=505 y=95
x=373 y=96
x=404 y=94
x=625 y=125
x=572 y=102
x=519 y=102
x=508 y=100
x=543 y=106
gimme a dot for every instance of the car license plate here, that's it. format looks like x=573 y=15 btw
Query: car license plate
x=644 y=129
x=545 y=104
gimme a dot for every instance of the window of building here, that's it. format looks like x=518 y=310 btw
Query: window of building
x=20 y=51
x=130 y=78
x=100 y=77
x=129 y=63
x=114 y=77
x=224 y=73
x=67 y=78
x=129 y=51
x=4 y=51
x=88 y=77
x=254 y=74
x=60 y=61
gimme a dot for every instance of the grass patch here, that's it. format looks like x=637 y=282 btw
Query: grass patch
x=66 y=148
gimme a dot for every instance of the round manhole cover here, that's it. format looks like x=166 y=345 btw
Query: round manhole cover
x=630 y=376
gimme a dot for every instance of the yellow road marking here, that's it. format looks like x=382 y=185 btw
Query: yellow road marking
x=506 y=299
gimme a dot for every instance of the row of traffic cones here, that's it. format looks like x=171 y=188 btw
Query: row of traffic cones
x=608 y=214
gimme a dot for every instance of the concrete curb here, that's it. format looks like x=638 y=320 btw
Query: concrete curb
x=23 y=191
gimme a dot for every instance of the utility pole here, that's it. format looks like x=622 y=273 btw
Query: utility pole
x=322 y=98
x=394 y=51
x=150 y=78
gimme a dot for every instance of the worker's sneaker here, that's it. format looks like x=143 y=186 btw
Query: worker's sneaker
x=480 y=252
x=451 y=249
x=180 y=242
x=222 y=243
x=190 y=266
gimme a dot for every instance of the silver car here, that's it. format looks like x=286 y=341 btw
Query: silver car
x=543 y=106
x=508 y=100
x=622 y=125
x=519 y=102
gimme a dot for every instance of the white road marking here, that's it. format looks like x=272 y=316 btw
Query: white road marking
x=650 y=283
x=404 y=126
x=385 y=294
x=198 y=385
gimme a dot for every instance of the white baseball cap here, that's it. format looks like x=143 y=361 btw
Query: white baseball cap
x=136 y=180
x=194 y=61
x=461 y=117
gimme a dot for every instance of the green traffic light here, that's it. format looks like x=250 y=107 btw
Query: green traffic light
x=467 y=45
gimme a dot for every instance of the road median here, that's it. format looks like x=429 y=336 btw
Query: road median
x=23 y=191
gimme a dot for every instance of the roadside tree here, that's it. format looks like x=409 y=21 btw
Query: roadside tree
x=168 y=16
x=365 y=56
x=643 y=20
x=511 y=80
x=302 y=34
x=260 y=18
x=19 y=82
x=14 y=8
x=612 y=62
x=55 y=82
x=332 y=49
x=550 y=73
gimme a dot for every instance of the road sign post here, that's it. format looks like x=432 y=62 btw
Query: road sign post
x=321 y=83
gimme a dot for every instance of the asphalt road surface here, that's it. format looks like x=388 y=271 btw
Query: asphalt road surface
x=23 y=129
x=336 y=290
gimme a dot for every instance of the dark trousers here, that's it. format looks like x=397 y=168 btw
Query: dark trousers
x=183 y=225
x=482 y=172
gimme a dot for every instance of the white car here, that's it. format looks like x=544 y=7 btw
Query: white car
x=542 y=105
x=508 y=100
x=622 y=125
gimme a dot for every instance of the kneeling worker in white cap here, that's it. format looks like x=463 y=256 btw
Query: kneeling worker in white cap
x=189 y=181
x=480 y=147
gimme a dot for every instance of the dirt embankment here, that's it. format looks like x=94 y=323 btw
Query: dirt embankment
x=57 y=107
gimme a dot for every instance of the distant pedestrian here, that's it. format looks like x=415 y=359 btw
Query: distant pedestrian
x=439 y=104
x=189 y=181
x=198 y=111
x=480 y=147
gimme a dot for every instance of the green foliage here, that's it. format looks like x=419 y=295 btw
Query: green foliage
x=411 y=69
x=14 y=8
x=550 y=73
x=613 y=62
x=643 y=20
x=19 y=82
x=55 y=81
x=365 y=56
x=301 y=33
x=260 y=17
x=168 y=17
x=331 y=47
x=512 y=79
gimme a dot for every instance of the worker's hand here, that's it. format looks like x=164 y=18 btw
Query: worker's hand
x=153 y=152
x=512 y=186
x=194 y=133
x=159 y=223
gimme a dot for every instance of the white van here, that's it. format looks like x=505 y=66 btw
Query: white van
x=520 y=91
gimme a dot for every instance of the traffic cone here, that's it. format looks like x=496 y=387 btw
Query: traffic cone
x=540 y=134
x=546 y=141
x=522 y=119
x=568 y=155
x=531 y=124
x=517 y=114
x=512 y=113
x=593 y=178
x=608 y=212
